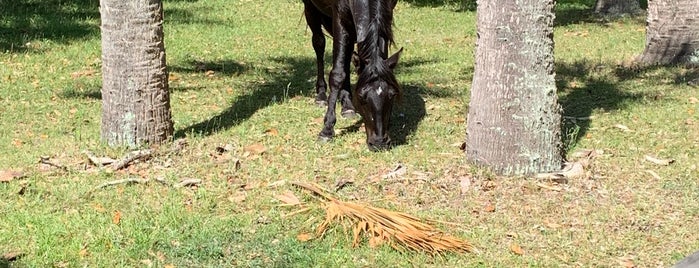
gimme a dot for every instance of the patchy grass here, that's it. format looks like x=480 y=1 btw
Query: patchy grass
x=242 y=78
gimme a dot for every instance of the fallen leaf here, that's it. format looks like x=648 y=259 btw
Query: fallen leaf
x=116 y=218
x=397 y=171
x=169 y=266
x=188 y=182
x=489 y=208
x=693 y=100
x=465 y=184
x=9 y=175
x=277 y=183
x=237 y=198
x=655 y=175
x=341 y=183
x=288 y=198
x=551 y=225
x=83 y=252
x=256 y=148
x=303 y=237
x=271 y=132
x=552 y=188
x=658 y=161
x=516 y=249
x=622 y=127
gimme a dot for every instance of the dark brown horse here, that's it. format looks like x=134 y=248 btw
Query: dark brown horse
x=367 y=23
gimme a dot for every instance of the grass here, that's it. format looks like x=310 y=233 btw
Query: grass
x=242 y=75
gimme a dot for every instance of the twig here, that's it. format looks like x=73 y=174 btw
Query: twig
x=404 y=180
x=129 y=180
x=130 y=157
x=45 y=160
x=98 y=161
x=188 y=182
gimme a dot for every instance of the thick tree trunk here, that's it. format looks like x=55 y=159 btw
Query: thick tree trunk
x=135 y=94
x=672 y=32
x=618 y=7
x=514 y=120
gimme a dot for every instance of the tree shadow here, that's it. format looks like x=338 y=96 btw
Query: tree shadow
x=58 y=20
x=586 y=86
x=226 y=67
x=582 y=11
x=260 y=95
x=461 y=5
x=63 y=21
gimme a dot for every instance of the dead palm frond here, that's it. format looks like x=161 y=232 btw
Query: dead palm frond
x=400 y=230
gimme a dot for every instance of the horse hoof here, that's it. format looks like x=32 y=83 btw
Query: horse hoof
x=323 y=139
x=349 y=114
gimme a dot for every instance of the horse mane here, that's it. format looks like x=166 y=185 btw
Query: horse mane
x=370 y=49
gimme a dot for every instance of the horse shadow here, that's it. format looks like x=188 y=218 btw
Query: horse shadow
x=407 y=115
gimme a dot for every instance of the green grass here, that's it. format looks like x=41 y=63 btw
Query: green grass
x=263 y=71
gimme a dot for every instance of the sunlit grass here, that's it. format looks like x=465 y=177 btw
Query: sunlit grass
x=242 y=74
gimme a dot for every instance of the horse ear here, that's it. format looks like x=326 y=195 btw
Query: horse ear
x=392 y=61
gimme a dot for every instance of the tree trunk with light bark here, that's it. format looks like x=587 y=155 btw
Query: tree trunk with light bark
x=514 y=121
x=616 y=8
x=672 y=32
x=135 y=93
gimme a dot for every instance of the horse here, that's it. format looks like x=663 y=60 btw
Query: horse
x=369 y=25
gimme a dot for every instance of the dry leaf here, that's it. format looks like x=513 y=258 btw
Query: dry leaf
x=655 y=175
x=658 y=161
x=277 y=183
x=693 y=100
x=489 y=208
x=303 y=237
x=256 y=148
x=237 y=198
x=465 y=184
x=188 y=182
x=516 y=249
x=83 y=252
x=622 y=127
x=399 y=170
x=288 y=198
x=169 y=266
x=9 y=175
x=341 y=183
x=116 y=218
x=551 y=225
x=552 y=188
x=272 y=132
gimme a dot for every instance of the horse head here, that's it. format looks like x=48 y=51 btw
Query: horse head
x=375 y=93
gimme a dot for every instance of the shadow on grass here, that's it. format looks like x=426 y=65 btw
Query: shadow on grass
x=600 y=91
x=59 y=20
x=463 y=5
x=407 y=115
x=63 y=21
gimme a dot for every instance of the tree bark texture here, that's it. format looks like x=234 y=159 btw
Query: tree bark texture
x=672 y=32
x=135 y=93
x=514 y=120
x=618 y=7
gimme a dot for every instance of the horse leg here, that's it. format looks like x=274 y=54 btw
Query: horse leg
x=346 y=99
x=314 y=19
x=343 y=45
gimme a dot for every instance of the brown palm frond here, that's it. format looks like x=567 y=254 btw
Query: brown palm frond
x=400 y=230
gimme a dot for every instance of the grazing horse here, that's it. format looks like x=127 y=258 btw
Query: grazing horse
x=367 y=23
